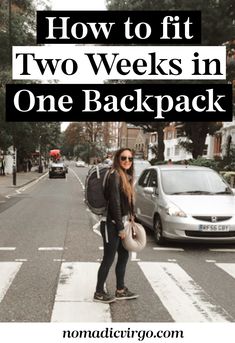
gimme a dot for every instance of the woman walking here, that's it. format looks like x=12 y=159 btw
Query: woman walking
x=119 y=195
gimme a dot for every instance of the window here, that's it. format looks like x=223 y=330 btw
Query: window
x=153 y=138
x=194 y=181
x=169 y=135
x=153 y=182
x=143 y=181
x=205 y=149
x=177 y=150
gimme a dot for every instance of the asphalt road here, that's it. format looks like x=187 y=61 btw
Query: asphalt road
x=50 y=249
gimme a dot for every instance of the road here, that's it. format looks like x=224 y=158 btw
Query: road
x=50 y=250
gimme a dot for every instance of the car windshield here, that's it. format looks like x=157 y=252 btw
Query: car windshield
x=196 y=182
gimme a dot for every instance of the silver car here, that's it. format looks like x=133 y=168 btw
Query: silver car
x=57 y=170
x=185 y=203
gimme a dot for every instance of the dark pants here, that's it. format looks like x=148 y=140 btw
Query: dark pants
x=112 y=244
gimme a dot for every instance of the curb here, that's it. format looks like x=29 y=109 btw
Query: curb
x=27 y=182
x=12 y=187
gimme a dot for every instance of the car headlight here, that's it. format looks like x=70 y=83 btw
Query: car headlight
x=174 y=210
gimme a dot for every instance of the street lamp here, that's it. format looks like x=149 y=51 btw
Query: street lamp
x=40 y=168
x=14 y=166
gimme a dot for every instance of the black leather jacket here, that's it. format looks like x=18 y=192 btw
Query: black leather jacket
x=118 y=204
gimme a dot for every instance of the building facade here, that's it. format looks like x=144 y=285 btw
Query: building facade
x=173 y=135
x=134 y=138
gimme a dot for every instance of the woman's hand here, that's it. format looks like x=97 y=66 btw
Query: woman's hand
x=122 y=234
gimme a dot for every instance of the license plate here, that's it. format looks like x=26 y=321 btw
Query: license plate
x=214 y=227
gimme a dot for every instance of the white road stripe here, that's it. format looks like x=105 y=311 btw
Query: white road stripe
x=8 y=271
x=74 y=297
x=77 y=177
x=222 y=250
x=228 y=268
x=97 y=232
x=96 y=226
x=211 y=261
x=184 y=299
x=134 y=257
x=168 y=249
x=30 y=184
x=50 y=248
x=7 y=248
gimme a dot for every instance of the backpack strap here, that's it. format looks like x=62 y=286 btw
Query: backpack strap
x=105 y=188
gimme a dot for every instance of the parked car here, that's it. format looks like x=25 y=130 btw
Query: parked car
x=80 y=164
x=186 y=203
x=140 y=165
x=57 y=169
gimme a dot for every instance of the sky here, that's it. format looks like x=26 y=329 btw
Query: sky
x=77 y=5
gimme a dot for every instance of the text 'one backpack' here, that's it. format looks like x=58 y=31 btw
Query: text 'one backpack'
x=95 y=188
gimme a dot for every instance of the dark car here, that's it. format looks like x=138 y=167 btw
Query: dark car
x=57 y=170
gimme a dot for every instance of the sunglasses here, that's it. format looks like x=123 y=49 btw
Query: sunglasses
x=124 y=158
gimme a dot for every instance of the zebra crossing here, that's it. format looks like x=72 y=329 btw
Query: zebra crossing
x=73 y=301
x=8 y=271
x=182 y=296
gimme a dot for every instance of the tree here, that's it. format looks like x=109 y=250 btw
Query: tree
x=155 y=127
x=217 y=27
x=217 y=15
x=72 y=136
x=84 y=140
x=17 y=27
x=196 y=133
x=28 y=137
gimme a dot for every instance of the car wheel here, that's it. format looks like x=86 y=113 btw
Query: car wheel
x=157 y=229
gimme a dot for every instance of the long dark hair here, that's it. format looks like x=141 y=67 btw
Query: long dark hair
x=125 y=175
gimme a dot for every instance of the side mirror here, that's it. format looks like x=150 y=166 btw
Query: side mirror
x=150 y=190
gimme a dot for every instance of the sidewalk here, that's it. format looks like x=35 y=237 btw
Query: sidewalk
x=22 y=178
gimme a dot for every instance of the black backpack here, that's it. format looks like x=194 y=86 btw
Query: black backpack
x=95 y=184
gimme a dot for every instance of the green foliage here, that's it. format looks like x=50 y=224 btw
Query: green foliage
x=17 y=27
x=87 y=150
x=217 y=28
x=217 y=16
x=196 y=133
x=203 y=162
x=230 y=178
x=155 y=162
x=155 y=127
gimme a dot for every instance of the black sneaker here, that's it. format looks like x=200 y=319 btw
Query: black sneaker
x=103 y=297
x=126 y=294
